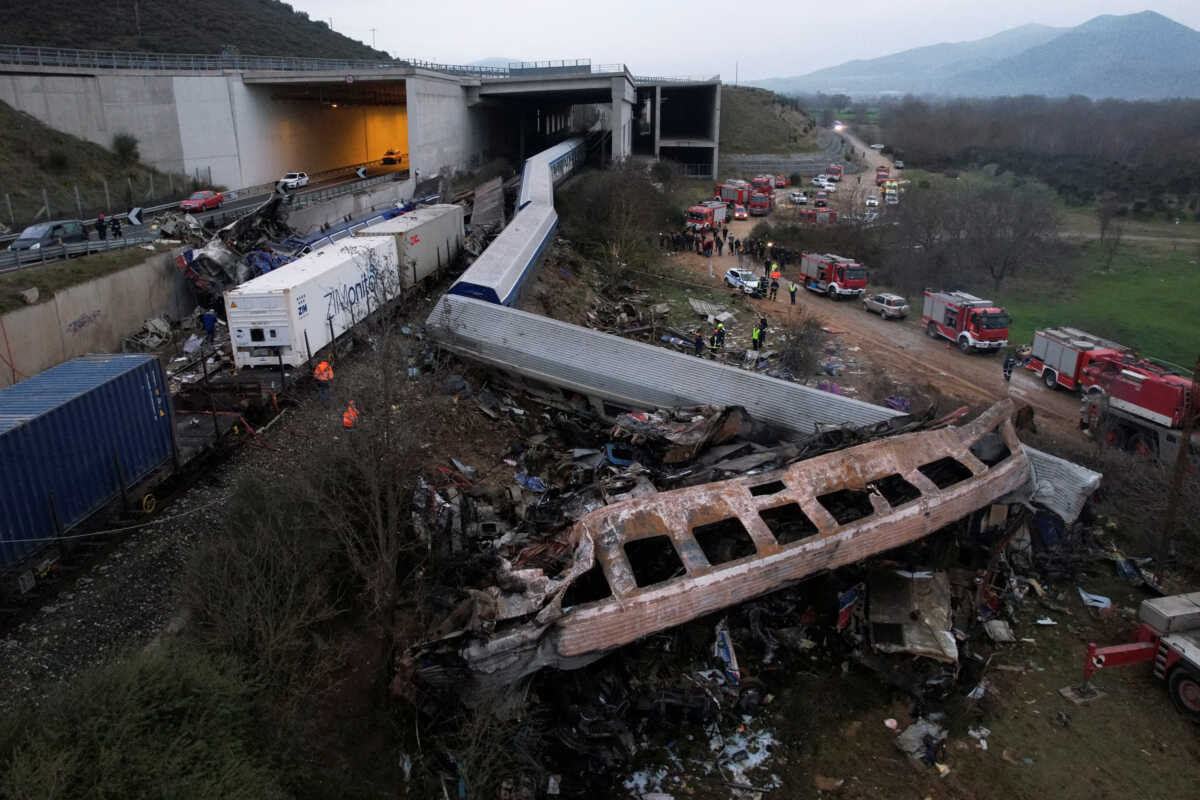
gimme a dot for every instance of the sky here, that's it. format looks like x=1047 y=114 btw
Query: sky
x=732 y=38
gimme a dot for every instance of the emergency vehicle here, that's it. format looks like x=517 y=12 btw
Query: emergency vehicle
x=971 y=322
x=706 y=216
x=833 y=275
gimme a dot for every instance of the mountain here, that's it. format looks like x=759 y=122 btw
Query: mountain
x=253 y=27
x=918 y=70
x=1134 y=56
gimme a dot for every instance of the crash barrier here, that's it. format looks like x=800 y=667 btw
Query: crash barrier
x=16 y=259
x=197 y=62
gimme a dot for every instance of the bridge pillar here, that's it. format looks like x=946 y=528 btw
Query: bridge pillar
x=624 y=95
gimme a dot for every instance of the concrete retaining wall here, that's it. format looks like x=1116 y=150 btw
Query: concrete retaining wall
x=92 y=317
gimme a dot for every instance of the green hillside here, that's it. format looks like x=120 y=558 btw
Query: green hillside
x=759 y=121
x=34 y=157
x=253 y=27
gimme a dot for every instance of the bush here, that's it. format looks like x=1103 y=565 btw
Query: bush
x=170 y=723
x=125 y=145
x=56 y=160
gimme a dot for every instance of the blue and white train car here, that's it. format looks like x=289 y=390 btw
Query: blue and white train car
x=498 y=275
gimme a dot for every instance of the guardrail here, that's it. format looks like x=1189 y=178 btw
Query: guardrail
x=676 y=78
x=16 y=259
x=197 y=62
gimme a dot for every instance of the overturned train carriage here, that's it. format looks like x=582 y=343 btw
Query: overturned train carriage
x=642 y=566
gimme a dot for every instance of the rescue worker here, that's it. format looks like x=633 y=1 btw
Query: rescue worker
x=101 y=228
x=762 y=331
x=1010 y=361
x=350 y=417
x=115 y=226
x=324 y=376
x=209 y=321
x=698 y=343
x=720 y=334
x=792 y=291
x=720 y=246
x=774 y=289
x=755 y=338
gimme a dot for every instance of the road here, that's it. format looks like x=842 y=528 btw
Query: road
x=900 y=348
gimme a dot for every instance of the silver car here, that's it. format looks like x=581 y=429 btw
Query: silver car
x=888 y=306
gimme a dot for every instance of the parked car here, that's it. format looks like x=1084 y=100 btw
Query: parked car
x=872 y=201
x=899 y=164
x=394 y=157
x=739 y=212
x=798 y=198
x=742 y=279
x=820 y=179
x=782 y=181
x=294 y=180
x=886 y=305
x=876 y=147
x=202 y=201
x=49 y=234
x=822 y=200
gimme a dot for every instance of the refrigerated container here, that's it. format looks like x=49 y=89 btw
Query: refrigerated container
x=73 y=440
x=427 y=239
x=294 y=311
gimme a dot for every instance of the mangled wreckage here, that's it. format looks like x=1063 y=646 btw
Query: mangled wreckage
x=649 y=563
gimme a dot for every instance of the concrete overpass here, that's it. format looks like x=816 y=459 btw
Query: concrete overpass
x=249 y=119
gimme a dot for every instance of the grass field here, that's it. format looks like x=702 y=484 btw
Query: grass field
x=1147 y=300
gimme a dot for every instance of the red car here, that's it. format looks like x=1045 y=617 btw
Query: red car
x=739 y=212
x=202 y=201
x=782 y=180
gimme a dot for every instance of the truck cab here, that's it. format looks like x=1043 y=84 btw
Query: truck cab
x=759 y=205
x=763 y=184
x=705 y=216
x=834 y=171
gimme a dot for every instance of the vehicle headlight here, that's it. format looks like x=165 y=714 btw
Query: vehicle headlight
x=35 y=246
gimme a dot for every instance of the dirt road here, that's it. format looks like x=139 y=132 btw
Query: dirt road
x=900 y=348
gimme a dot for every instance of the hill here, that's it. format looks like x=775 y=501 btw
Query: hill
x=253 y=27
x=918 y=70
x=34 y=157
x=758 y=121
x=1133 y=56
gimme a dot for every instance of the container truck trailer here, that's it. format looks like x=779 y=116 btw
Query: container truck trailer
x=428 y=239
x=74 y=440
x=286 y=316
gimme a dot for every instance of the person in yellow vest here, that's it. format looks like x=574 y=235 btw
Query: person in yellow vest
x=324 y=376
x=350 y=418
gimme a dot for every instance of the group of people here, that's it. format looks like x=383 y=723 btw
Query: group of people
x=324 y=377
x=716 y=340
x=106 y=226
x=704 y=242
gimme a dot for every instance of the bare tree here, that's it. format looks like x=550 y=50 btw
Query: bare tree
x=1106 y=211
x=1111 y=243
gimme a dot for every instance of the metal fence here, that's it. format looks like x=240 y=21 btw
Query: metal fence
x=16 y=259
x=184 y=62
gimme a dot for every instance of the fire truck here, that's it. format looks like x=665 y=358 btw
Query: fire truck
x=760 y=204
x=833 y=275
x=815 y=215
x=969 y=321
x=1168 y=637
x=763 y=184
x=834 y=171
x=1134 y=404
x=1060 y=355
x=881 y=175
x=706 y=216
x=733 y=191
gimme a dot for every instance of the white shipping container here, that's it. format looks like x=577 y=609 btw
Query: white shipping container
x=303 y=306
x=427 y=239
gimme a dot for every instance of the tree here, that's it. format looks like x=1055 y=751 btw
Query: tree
x=1106 y=210
x=125 y=145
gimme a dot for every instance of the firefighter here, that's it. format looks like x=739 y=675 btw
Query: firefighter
x=350 y=417
x=719 y=333
x=698 y=343
x=774 y=289
x=755 y=336
x=1010 y=361
x=792 y=291
x=324 y=376
x=762 y=331
x=101 y=228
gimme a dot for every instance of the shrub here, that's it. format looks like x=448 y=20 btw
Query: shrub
x=169 y=723
x=56 y=160
x=125 y=145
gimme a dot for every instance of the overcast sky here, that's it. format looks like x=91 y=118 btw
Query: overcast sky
x=764 y=38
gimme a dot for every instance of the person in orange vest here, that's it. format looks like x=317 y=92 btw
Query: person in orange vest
x=350 y=418
x=324 y=376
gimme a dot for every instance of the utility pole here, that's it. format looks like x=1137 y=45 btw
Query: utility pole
x=735 y=73
x=372 y=38
x=1181 y=465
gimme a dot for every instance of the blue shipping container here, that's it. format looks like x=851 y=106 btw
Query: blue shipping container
x=72 y=439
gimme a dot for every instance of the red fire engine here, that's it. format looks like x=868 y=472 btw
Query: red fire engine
x=1169 y=636
x=818 y=215
x=833 y=275
x=760 y=204
x=834 y=171
x=881 y=175
x=1129 y=402
x=971 y=322
x=733 y=191
x=763 y=184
